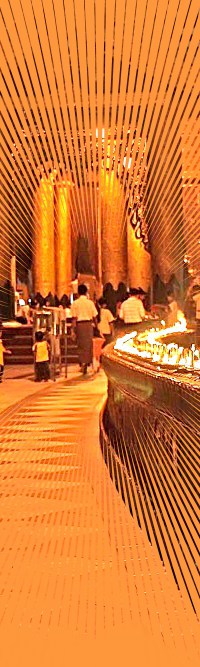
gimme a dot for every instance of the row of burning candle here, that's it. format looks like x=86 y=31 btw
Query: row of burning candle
x=147 y=346
x=171 y=354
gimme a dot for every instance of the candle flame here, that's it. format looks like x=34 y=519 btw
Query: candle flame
x=148 y=346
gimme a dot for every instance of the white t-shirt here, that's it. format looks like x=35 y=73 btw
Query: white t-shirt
x=132 y=310
x=106 y=318
x=83 y=309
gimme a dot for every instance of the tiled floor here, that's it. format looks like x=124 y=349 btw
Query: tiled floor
x=18 y=383
x=79 y=581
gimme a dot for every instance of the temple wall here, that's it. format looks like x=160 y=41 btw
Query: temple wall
x=165 y=218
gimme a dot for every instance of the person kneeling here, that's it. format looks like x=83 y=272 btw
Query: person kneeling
x=41 y=354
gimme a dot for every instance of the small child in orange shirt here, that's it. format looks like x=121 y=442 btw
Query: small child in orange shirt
x=3 y=351
x=41 y=353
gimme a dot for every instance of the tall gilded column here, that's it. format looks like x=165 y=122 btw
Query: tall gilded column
x=113 y=232
x=63 y=241
x=44 y=256
x=139 y=261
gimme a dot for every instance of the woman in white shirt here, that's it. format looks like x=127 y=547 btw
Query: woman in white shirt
x=106 y=320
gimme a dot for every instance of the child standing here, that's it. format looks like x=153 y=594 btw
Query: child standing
x=3 y=351
x=41 y=353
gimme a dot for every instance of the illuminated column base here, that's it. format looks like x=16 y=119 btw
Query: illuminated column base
x=44 y=262
x=139 y=262
x=113 y=233
x=63 y=242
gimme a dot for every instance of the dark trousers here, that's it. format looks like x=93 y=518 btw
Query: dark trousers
x=1 y=372
x=42 y=371
x=84 y=335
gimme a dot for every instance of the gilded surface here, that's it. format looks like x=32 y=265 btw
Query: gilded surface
x=114 y=233
x=62 y=242
x=44 y=263
x=139 y=261
x=152 y=425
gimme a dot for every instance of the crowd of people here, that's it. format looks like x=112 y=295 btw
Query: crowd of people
x=97 y=318
x=26 y=310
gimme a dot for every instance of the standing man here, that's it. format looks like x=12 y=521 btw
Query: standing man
x=132 y=310
x=83 y=314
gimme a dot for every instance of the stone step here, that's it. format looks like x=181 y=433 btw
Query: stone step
x=19 y=359
x=24 y=330
x=20 y=340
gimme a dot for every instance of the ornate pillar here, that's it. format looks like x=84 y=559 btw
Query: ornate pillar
x=139 y=261
x=113 y=232
x=63 y=241
x=44 y=262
